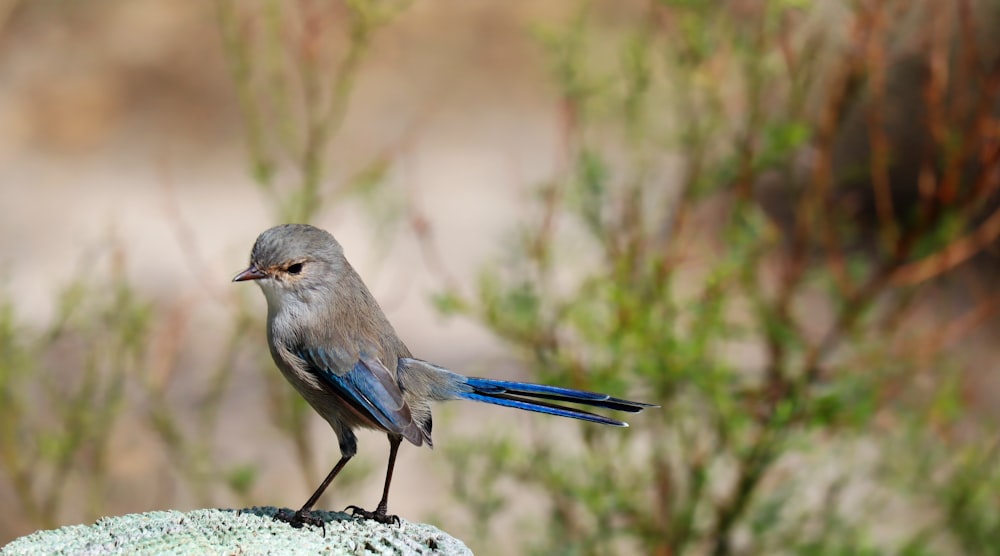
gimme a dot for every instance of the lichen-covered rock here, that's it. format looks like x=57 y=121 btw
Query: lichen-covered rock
x=249 y=531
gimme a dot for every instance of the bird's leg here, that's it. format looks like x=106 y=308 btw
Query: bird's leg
x=380 y=514
x=304 y=515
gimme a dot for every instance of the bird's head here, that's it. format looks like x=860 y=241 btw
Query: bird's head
x=294 y=260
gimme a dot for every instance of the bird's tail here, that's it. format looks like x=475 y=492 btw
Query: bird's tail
x=528 y=396
x=538 y=397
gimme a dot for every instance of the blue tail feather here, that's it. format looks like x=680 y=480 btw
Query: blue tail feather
x=441 y=384
x=555 y=393
x=528 y=396
x=541 y=407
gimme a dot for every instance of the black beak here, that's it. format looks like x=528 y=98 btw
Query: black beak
x=251 y=273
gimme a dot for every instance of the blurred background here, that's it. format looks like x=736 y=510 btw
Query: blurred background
x=778 y=219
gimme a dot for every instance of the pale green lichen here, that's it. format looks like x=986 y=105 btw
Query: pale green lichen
x=248 y=531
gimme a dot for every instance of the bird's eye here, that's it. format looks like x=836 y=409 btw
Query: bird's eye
x=295 y=268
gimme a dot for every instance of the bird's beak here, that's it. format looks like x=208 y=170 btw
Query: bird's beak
x=251 y=273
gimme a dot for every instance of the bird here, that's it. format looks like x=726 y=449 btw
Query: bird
x=333 y=343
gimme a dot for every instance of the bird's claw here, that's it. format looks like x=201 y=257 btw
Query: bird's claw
x=299 y=518
x=378 y=515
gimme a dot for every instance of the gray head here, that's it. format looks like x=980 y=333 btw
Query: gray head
x=294 y=258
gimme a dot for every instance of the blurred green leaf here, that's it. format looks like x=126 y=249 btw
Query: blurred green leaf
x=242 y=478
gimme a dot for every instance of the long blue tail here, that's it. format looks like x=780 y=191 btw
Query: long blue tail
x=527 y=396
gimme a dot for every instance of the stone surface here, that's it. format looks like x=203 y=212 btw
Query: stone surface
x=248 y=531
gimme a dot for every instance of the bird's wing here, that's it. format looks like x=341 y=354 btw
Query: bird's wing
x=367 y=386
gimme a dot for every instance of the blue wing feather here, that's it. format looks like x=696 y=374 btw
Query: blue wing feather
x=364 y=388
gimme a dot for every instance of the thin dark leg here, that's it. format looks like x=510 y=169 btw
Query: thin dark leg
x=383 y=504
x=303 y=516
x=380 y=514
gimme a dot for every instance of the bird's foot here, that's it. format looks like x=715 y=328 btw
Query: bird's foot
x=378 y=515
x=299 y=518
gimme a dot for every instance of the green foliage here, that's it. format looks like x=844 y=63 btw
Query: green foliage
x=58 y=415
x=293 y=82
x=241 y=478
x=632 y=294
x=970 y=494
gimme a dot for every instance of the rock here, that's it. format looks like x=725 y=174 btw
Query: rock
x=248 y=531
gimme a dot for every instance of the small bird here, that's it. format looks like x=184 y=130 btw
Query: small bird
x=332 y=342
